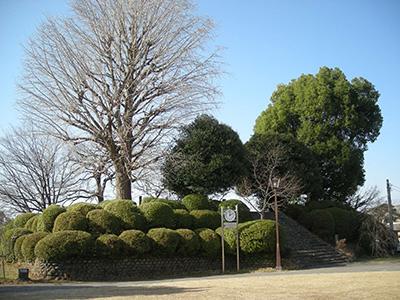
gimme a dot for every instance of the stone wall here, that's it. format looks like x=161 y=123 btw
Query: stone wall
x=139 y=268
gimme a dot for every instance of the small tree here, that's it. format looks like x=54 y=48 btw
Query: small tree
x=208 y=158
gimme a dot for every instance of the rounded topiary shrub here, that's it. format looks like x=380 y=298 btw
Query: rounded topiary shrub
x=195 y=202
x=321 y=223
x=174 y=204
x=29 y=243
x=210 y=242
x=294 y=211
x=70 y=220
x=259 y=237
x=109 y=245
x=82 y=208
x=165 y=241
x=64 y=245
x=189 y=243
x=158 y=214
x=101 y=221
x=49 y=215
x=21 y=219
x=17 y=248
x=104 y=203
x=32 y=223
x=10 y=237
x=183 y=219
x=244 y=211
x=213 y=205
x=136 y=242
x=128 y=213
x=347 y=223
x=206 y=219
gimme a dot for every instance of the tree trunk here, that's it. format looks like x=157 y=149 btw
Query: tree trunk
x=99 y=189
x=122 y=184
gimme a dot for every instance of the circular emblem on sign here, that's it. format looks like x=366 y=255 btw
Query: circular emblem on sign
x=230 y=215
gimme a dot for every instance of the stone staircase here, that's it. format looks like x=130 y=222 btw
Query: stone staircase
x=306 y=249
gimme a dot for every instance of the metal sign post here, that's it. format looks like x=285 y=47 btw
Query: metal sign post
x=230 y=219
x=223 y=240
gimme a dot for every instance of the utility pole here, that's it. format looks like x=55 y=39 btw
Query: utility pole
x=389 y=199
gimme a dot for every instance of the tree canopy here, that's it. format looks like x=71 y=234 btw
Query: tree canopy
x=332 y=116
x=208 y=157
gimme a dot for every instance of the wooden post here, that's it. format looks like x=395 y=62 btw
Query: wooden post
x=278 y=250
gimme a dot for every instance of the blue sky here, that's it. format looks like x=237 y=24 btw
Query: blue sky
x=266 y=43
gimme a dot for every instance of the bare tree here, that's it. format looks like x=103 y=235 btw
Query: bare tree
x=257 y=189
x=37 y=171
x=365 y=199
x=123 y=74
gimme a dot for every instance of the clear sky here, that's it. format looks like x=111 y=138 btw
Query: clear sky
x=266 y=43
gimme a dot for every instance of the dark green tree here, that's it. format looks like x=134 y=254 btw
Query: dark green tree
x=332 y=116
x=208 y=157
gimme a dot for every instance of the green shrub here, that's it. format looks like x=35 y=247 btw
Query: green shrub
x=128 y=213
x=244 y=211
x=104 y=203
x=136 y=242
x=206 y=219
x=165 y=241
x=210 y=242
x=347 y=223
x=158 y=214
x=49 y=215
x=64 y=245
x=294 y=211
x=21 y=219
x=101 y=221
x=259 y=237
x=70 y=220
x=10 y=237
x=82 y=208
x=17 y=248
x=195 y=202
x=29 y=243
x=213 y=205
x=189 y=243
x=31 y=224
x=320 y=222
x=109 y=245
x=174 y=204
x=183 y=219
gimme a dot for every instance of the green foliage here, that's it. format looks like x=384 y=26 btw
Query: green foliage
x=29 y=243
x=49 y=215
x=213 y=205
x=82 y=208
x=101 y=221
x=104 y=203
x=208 y=157
x=334 y=118
x=165 y=241
x=10 y=237
x=64 y=245
x=183 y=219
x=17 y=248
x=21 y=219
x=347 y=223
x=174 y=204
x=31 y=224
x=128 y=213
x=70 y=220
x=210 y=242
x=189 y=243
x=158 y=214
x=322 y=204
x=244 y=211
x=136 y=242
x=294 y=211
x=195 y=202
x=109 y=245
x=320 y=222
x=259 y=237
x=206 y=219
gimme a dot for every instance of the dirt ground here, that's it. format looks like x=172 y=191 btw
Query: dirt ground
x=352 y=285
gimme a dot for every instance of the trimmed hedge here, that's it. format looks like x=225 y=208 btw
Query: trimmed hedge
x=64 y=245
x=174 y=204
x=259 y=237
x=189 y=243
x=17 y=248
x=165 y=241
x=210 y=242
x=136 y=242
x=104 y=203
x=9 y=239
x=158 y=214
x=32 y=223
x=128 y=213
x=244 y=211
x=347 y=223
x=320 y=222
x=183 y=219
x=213 y=205
x=49 y=215
x=21 y=219
x=109 y=245
x=70 y=220
x=206 y=219
x=101 y=221
x=29 y=243
x=294 y=211
x=195 y=202
x=82 y=208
